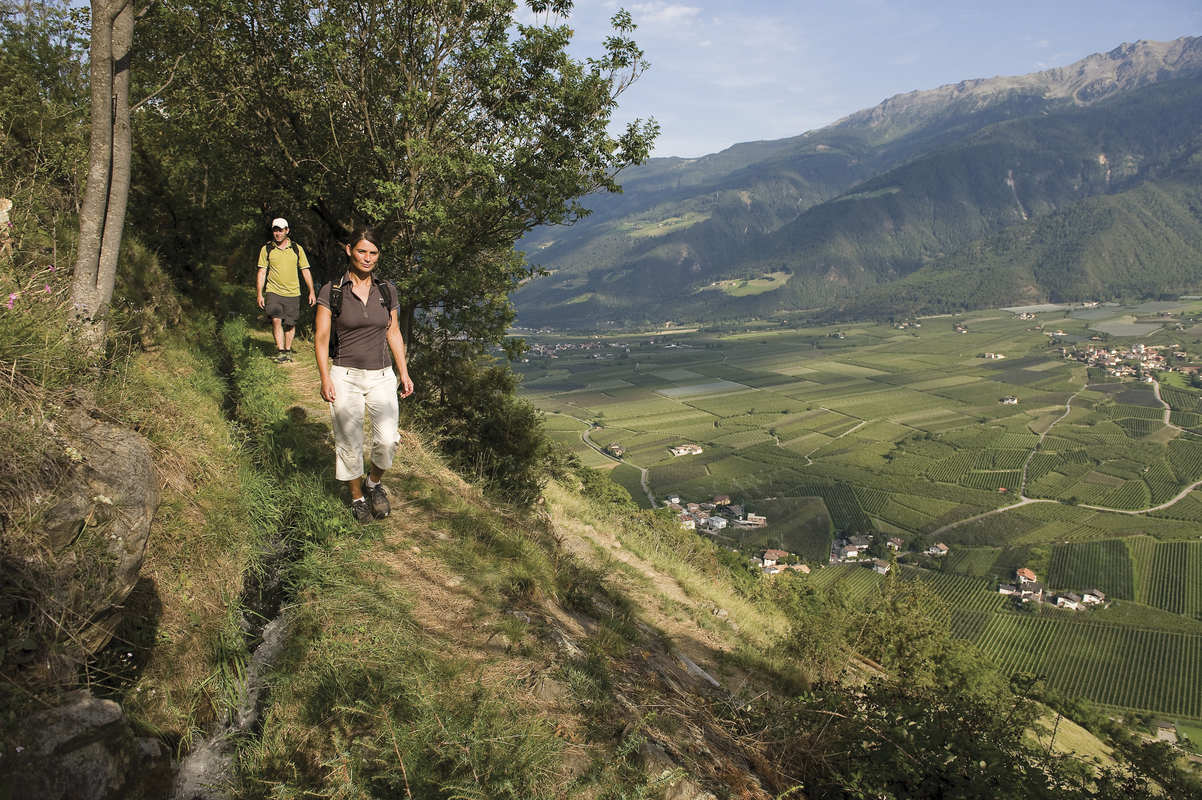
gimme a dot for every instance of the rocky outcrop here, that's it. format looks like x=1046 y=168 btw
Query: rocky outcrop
x=99 y=524
x=67 y=574
x=84 y=749
x=1089 y=80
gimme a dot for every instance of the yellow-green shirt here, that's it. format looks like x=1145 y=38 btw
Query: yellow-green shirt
x=282 y=278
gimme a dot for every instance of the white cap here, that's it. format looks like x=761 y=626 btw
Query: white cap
x=279 y=222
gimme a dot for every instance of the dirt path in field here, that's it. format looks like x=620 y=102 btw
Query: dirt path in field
x=1068 y=409
x=681 y=665
x=852 y=429
x=1168 y=410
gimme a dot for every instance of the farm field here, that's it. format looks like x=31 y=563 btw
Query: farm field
x=906 y=424
x=868 y=428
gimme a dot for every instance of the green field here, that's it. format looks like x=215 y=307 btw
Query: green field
x=904 y=433
x=799 y=525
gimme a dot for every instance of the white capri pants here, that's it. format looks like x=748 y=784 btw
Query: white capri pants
x=357 y=390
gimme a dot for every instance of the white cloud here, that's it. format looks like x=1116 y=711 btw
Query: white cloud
x=659 y=13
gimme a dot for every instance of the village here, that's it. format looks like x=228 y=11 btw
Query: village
x=720 y=514
x=596 y=348
x=1136 y=361
x=713 y=515
x=1025 y=588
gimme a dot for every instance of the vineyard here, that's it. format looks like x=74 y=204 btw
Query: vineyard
x=1104 y=565
x=853 y=582
x=1150 y=670
x=922 y=443
x=960 y=591
x=1174 y=580
x=844 y=508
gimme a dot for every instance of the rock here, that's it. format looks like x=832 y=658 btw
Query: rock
x=84 y=749
x=677 y=785
x=105 y=502
x=203 y=775
x=550 y=690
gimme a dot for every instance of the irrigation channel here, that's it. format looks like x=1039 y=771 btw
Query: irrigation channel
x=1023 y=500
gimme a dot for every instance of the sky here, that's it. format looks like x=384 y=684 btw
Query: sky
x=728 y=71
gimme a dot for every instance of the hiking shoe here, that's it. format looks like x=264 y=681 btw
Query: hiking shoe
x=360 y=510
x=378 y=498
x=282 y=357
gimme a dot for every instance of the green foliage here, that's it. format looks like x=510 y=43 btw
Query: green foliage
x=600 y=488
x=894 y=741
x=43 y=101
x=488 y=433
x=481 y=129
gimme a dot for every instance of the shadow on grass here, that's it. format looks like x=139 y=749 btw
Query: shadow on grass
x=118 y=667
x=301 y=444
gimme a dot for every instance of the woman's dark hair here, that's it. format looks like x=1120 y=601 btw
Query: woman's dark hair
x=361 y=233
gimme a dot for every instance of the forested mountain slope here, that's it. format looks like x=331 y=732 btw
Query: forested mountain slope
x=872 y=198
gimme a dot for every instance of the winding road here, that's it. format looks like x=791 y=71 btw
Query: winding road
x=584 y=437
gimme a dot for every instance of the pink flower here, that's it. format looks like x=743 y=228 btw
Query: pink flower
x=12 y=298
x=52 y=268
x=47 y=288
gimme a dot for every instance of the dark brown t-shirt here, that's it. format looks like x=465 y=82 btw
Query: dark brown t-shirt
x=361 y=327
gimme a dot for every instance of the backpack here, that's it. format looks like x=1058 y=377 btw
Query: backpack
x=267 y=248
x=336 y=306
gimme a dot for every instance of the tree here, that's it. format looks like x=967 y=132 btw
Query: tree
x=102 y=214
x=450 y=125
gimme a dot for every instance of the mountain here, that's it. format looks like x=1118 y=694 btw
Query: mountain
x=820 y=218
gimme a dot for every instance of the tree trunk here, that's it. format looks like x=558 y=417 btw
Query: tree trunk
x=102 y=216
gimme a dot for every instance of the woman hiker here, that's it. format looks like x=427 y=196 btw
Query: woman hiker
x=357 y=340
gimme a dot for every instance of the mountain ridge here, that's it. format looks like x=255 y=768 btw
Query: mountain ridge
x=683 y=225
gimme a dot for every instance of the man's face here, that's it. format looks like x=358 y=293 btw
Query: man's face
x=279 y=234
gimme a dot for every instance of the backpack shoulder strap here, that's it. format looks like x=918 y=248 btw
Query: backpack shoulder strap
x=267 y=259
x=336 y=296
x=386 y=295
x=335 y=310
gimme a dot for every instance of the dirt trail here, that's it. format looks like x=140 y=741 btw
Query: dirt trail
x=676 y=670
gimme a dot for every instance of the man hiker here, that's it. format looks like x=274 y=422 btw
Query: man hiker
x=282 y=262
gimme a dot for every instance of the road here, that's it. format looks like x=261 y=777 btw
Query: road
x=584 y=437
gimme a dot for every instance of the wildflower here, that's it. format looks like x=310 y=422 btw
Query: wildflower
x=102 y=499
x=73 y=454
x=12 y=298
x=47 y=288
x=52 y=268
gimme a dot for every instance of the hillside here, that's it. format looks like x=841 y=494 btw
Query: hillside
x=1143 y=242
x=462 y=648
x=872 y=198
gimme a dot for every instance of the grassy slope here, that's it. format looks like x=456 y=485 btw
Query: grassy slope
x=457 y=649
x=457 y=646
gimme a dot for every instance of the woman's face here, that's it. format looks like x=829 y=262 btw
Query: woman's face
x=363 y=255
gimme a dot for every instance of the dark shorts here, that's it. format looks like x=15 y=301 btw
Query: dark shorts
x=287 y=309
